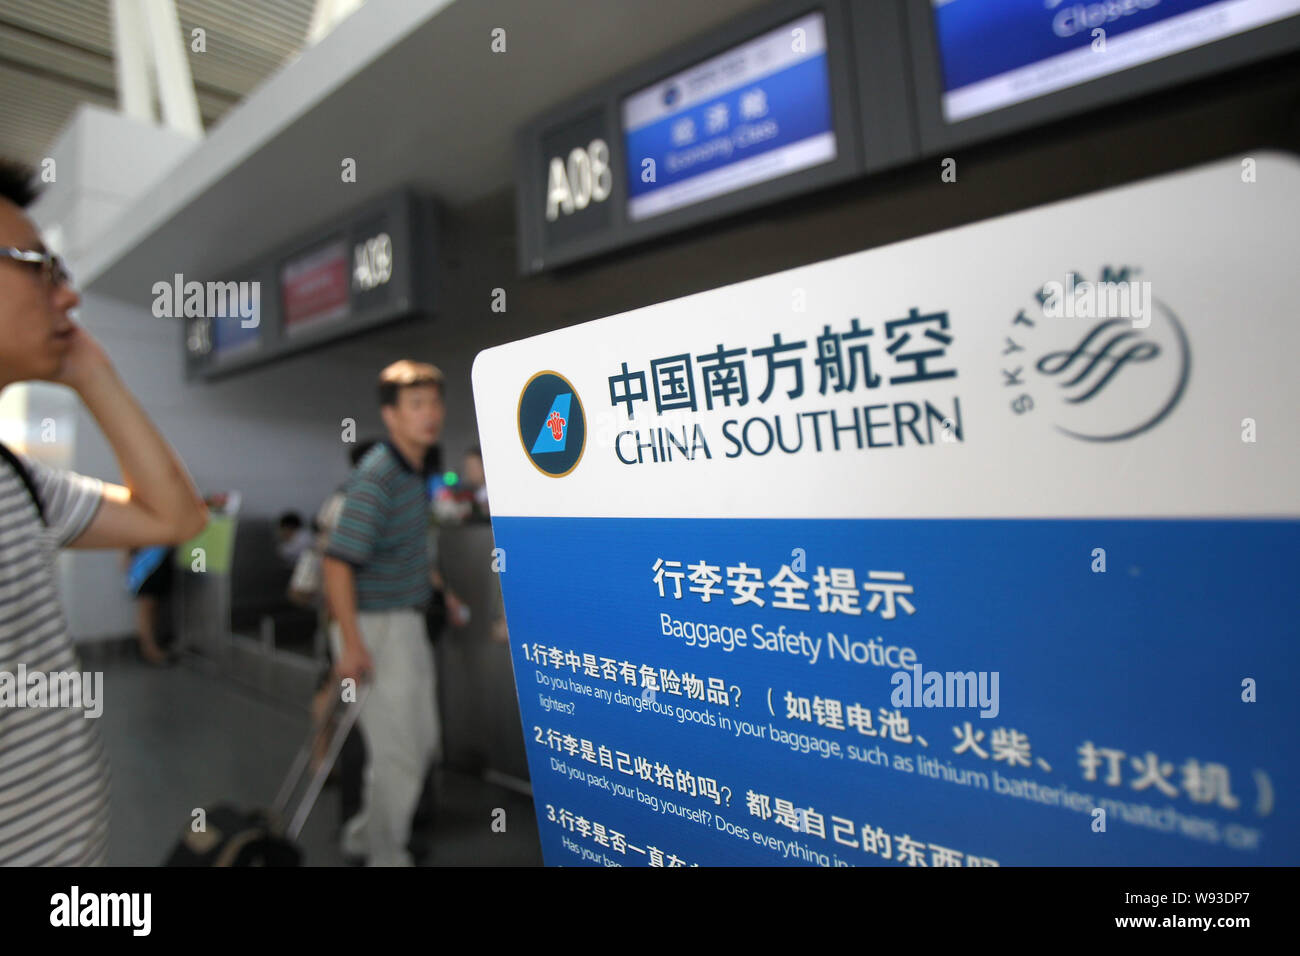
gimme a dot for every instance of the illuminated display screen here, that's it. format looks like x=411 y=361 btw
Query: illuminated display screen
x=996 y=53
x=314 y=288
x=230 y=336
x=760 y=111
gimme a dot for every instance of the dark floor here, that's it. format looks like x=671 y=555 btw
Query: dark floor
x=179 y=738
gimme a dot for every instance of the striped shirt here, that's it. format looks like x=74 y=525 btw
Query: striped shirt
x=383 y=531
x=53 y=773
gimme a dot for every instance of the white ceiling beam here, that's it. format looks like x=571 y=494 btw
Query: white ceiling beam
x=180 y=107
x=327 y=15
x=132 y=60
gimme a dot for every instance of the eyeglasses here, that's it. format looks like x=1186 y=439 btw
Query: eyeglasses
x=53 y=271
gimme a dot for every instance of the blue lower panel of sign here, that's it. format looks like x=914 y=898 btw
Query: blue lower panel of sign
x=908 y=692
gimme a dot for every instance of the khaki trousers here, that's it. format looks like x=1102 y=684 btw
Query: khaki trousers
x=399 y=723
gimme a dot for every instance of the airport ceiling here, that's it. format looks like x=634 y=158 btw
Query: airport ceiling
x=401 y=90
x=58 y=54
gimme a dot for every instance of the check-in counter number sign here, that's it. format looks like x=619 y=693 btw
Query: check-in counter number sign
x=199 y=339
x=373 y=262
x=574 y=185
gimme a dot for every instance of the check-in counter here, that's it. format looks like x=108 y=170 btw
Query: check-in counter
x=480 y=708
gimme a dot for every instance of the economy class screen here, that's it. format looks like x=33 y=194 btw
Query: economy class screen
x=757 y=112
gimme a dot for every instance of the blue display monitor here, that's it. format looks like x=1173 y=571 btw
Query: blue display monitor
x=234 y=335
x=984 y=68
x=997 y=54
x=757 y=112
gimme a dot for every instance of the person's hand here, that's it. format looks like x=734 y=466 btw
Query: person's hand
x=355 y=663
x=457 y=610
x=84 y=360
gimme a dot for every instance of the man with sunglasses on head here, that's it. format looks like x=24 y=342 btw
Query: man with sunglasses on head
x=53 y=774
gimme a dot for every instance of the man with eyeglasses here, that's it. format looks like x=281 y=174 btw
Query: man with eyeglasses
x=53 y=775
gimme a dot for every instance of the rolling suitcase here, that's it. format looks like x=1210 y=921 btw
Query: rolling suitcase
x=233 y=837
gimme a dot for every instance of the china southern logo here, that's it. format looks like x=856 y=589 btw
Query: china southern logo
x=1100 y=360
x=552 y=435
x=552 y=427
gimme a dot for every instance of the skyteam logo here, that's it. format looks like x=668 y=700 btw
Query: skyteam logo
x=552 y=426
x=1100 y=361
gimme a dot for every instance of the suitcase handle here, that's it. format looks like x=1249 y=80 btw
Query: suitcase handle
x=346 y=713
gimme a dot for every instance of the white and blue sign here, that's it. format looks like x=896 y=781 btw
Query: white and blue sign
x=752 y=114
x=919 y=557
x=999 y=52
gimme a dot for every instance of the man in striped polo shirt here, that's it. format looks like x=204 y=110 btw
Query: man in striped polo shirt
x=53 y=775
x=377 y=581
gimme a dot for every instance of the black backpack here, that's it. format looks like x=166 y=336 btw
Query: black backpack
x=25 y=476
